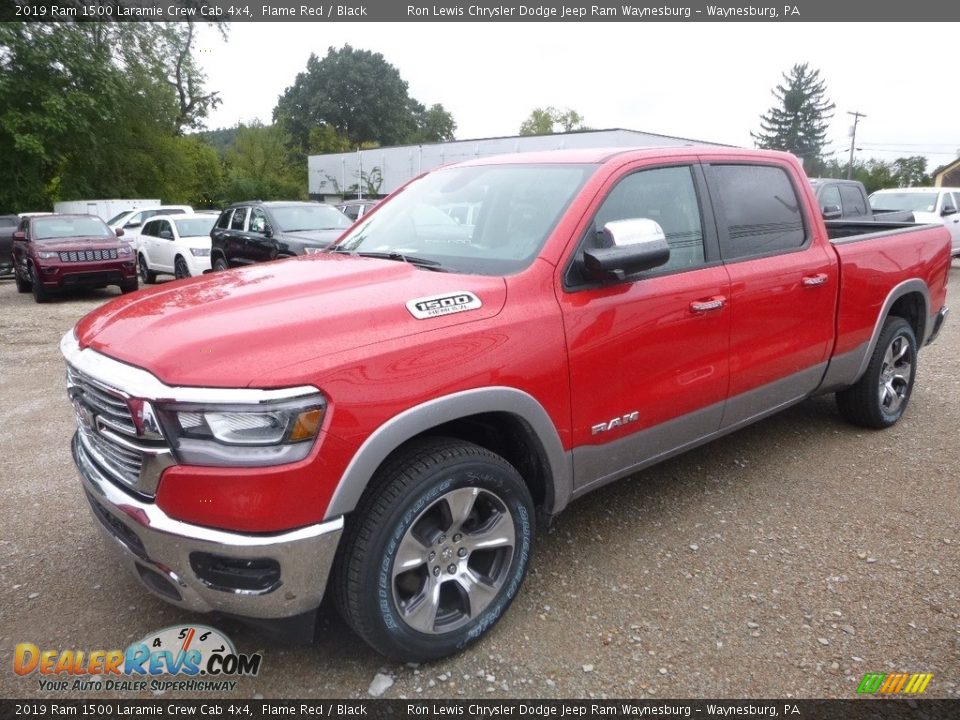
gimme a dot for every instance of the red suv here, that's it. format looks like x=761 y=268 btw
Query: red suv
x=59 y=252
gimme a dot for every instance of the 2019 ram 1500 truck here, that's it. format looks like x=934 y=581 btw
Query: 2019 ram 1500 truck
x=390 y=421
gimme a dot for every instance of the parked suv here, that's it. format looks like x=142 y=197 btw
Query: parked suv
x=177 y=245
x=59 y=252
x=257 y=231
x=130 y=221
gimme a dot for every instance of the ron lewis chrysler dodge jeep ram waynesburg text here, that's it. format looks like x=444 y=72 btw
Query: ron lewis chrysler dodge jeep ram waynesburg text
x=393 y=418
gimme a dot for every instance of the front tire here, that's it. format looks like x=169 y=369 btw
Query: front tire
x=23 y=285
x=40 y=295
x=880 y=397
x=436 y=551
x=180 y=268
x=220 y=264
x=148 y=276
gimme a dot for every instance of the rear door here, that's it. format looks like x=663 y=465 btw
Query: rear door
x=783 y=286
x=648 y=356
x=237 y=251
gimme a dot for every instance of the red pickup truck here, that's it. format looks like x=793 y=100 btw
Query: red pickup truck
x=392 y=420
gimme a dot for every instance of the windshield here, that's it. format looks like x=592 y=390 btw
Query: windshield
x=309 y=217
x=53 y=228
x=195 y=227
x=117 y=218
x=915 y=201
x=488 y=220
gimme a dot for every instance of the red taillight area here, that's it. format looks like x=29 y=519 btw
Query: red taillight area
x=261 y=499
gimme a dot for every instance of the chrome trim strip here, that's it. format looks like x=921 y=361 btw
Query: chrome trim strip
x=137 y=382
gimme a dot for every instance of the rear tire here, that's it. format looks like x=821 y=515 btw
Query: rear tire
x=436 y=550
x=148 y=276
x=880 y=397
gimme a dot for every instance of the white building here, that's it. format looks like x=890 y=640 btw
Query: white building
x=393 y=166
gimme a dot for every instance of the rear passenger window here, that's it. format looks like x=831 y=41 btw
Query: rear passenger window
x=666 y=195
x=759 y=209
x=853 y=202
x=148 y=229
x=239 y=217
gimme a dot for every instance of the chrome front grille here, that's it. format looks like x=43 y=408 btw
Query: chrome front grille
x=109 y=435
x=87 y=255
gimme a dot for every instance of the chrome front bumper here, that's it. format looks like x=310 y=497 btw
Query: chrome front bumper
x=158 y=548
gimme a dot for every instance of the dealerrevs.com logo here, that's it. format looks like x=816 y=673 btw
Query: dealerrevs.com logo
x=201 y=658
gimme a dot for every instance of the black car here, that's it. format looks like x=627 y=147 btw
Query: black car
x=256 y=231
x=8 y=225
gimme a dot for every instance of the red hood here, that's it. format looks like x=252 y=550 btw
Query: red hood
x=228 y=329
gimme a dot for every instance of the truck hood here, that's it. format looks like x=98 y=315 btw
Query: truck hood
x=229 y=329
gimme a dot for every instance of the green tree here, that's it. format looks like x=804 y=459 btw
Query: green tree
x=434 y=124
x=544 y=121
x=258 y=166
x=911 y=171
x=361 y=96
x=798 y=122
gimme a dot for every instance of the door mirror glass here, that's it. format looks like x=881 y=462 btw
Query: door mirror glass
x=831 y=212
x=118 y=232
x=166 y=234
x=19 y=235
x=626 y=247
x=949 y=210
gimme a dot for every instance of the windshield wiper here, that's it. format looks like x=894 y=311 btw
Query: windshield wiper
x=394 y=255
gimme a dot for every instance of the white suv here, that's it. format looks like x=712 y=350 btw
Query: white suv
x=131 y=221
x=929 y=205
x=177 y=245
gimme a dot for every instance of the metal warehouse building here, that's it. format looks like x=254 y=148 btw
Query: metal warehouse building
x=329 y=174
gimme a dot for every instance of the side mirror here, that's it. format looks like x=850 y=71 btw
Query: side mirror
x=119 y=232
x=948 y=211
x=19 y=235
x=166 y=234
x=831 y=211
x=133 y=225
x=631 y=246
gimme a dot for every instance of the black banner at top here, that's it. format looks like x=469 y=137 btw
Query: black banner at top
x=854 y=11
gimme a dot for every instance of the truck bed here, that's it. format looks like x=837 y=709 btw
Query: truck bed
x=856 y=230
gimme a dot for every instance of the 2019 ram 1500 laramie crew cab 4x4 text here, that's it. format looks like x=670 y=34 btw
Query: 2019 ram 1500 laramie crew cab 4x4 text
x=390 y=421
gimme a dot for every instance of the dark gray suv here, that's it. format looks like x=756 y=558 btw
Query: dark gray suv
x=252 y=232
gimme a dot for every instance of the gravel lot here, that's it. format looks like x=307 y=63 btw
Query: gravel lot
x=783 y=561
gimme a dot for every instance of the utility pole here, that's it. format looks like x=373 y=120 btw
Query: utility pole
x=853 y=140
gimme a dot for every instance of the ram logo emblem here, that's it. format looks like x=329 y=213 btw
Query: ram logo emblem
x=615 y=423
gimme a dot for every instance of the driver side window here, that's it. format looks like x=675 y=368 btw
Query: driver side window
x=667 y=196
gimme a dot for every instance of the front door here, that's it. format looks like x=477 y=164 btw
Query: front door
x=648 y=356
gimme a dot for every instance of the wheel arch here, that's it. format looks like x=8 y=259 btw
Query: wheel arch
x=505 y=420
x=909 y=300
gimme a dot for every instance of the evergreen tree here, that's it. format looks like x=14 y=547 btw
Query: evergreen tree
x=798 y=123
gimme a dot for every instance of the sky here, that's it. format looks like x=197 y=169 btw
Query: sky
x=704 y=81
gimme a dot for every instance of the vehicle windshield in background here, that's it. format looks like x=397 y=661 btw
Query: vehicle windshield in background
x=293 y=218
x=53 y=228
x=195 y=227
x=487 y=220
x=117 y=218
x=917 y=202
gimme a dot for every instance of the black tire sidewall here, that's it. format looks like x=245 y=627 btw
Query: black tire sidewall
x=179 y=264
x=219 y=261
x=390 y=634
x=39 y=292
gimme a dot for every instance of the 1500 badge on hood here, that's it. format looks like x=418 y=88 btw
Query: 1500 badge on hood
x=446 y=304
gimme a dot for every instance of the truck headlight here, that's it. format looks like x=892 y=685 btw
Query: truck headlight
x=243 y=435
x=200 y=252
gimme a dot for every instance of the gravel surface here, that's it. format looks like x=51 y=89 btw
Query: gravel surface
x=785 y=560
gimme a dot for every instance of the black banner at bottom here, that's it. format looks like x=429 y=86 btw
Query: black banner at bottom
x=866 y=709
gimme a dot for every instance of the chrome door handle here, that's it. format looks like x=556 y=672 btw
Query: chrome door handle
x=815 y=280
x=702 y=306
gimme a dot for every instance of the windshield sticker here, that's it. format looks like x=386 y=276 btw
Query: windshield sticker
x=436 y=305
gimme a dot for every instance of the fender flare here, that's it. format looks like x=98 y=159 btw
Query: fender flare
x=904 y=288
x=421 y=418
